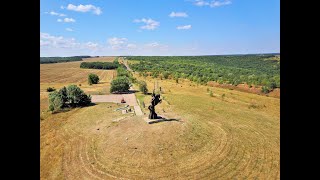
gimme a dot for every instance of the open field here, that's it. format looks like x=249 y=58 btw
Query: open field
x=61 y=74
x=232 y=135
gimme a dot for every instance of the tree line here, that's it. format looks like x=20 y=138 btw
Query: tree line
x=47 y=60
x=99 y=65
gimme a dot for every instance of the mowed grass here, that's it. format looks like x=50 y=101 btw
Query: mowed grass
x=247 y=127
x=232 y=135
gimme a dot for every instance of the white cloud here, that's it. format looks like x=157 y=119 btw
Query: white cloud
x=92 y=45
x=55 y=14
x=131 y=46
x=156 y=46
x=201 y=3
x=53 y=44
x=184 y=27
x=69 y=29
x=219 y=3
x=178 y=14
x=85 y=8
x=150 y=24
x=57 y=41
x=213 y=3
x=67 y=20
x=117 y=43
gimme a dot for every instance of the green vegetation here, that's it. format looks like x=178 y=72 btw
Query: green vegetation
x=265 y=89
x=72 y=96
x=50 y=89
x=47 y=60
x=93 y=79
x=236 y=69
x=99 y=65
x=120 y=84
x=123 y=80
x=143 y=87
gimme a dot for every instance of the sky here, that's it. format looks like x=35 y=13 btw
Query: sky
x=158 y=27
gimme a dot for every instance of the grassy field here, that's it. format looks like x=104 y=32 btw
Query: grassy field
x=232 y=135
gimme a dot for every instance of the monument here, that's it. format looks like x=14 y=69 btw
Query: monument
x=154 y=101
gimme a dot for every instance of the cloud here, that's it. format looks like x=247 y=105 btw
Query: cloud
x=213 y=3
x=131 y=46
x=55 y=14
x=85 y=8
x=156 y=46
x=201 y=3
x=178 y=14
x=184 y=27
x=69 y=29
x=67 y=20
x=150 y=24
x=57 y=41
x=92 y=45
x=117 y=43
x=52 y=43
x=219 y=3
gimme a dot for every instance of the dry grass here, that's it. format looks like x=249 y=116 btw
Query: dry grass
x=235 y=137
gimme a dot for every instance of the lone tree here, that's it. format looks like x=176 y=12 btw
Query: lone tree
x=72 y=96
x=143 y=87
x=121 y=84
x=93 y=79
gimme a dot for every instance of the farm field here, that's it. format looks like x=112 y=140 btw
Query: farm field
x=231 y=135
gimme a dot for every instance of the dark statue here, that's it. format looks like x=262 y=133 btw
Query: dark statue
x=154 y=101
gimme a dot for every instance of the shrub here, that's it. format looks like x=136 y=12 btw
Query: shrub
x=265 y=89
x=143 y=87
x=50 y=89
x=56 y=102
x=166 y=75
x=93 y=79
x=121 y=84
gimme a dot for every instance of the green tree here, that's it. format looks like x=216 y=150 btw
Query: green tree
x=76 y=96
x=166 y=75
x=56 y=102
x=93 y=79
x=143 y=87
x=120 y=84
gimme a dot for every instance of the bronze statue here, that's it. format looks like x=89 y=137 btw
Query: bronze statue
x=154 y=101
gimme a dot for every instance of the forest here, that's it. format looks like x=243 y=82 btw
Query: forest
x=257 y=70
x=47 y=60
